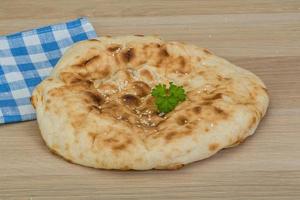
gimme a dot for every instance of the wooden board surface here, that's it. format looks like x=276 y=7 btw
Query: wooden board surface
x=262 y=36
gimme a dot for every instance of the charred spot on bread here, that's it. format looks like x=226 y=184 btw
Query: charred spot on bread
x=131 y=100
x=181 y=120
x=197 y=109
x=213 y=146
x=95 y=97
x=128 y=55
x=114 y=48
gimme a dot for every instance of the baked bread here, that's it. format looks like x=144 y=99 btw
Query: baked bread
x=96 y=108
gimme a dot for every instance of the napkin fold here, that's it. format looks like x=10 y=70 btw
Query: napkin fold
x=27 y=57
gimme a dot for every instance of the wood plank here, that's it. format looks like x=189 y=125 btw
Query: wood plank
x=227 y=35
x=32 y=9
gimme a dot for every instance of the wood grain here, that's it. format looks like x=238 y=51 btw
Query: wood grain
x=262 y=36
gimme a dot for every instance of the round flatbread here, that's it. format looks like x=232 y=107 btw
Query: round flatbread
x=96 y=108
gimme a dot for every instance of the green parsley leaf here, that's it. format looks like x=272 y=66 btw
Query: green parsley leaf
x=167 y=99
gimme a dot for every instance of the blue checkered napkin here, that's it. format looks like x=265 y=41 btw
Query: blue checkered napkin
x=26 y=58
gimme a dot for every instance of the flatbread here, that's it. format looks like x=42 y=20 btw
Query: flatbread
x=95 y=109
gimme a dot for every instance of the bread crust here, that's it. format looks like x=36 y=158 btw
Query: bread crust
x=96 y=110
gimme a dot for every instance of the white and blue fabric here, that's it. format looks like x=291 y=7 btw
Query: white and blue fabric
x=27 y=57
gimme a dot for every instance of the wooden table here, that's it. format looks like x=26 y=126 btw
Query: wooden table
x=262 y=36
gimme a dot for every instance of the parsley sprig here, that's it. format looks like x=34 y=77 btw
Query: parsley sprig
x=166 y=99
